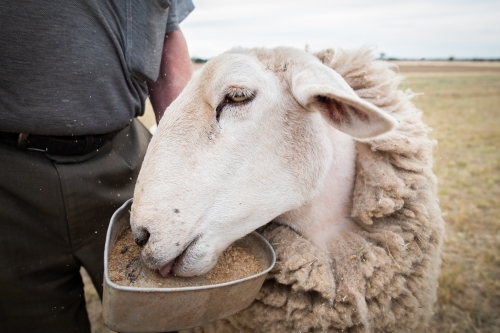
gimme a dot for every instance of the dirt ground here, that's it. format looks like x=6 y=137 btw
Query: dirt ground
x=461 y=102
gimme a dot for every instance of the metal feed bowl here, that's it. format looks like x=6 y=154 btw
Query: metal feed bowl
x=137 y=309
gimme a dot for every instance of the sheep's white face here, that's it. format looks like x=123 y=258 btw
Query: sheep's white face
x=245 y=142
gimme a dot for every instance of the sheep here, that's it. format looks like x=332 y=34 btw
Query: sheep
x=328 y=148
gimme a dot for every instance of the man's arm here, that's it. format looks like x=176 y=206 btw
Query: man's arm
x=175 y=71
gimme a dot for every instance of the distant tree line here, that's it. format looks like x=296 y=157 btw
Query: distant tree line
x=452 y=58
x=199 y=60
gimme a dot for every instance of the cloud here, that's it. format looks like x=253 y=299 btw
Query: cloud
x=398 y=28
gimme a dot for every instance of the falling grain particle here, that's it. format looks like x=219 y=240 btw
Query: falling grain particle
x=126 y=268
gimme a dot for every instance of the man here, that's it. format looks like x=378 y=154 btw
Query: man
x=73 y=77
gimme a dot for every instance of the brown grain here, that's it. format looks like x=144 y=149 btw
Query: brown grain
x=126 y=268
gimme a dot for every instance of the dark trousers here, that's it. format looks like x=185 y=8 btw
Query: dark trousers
x=54 y=214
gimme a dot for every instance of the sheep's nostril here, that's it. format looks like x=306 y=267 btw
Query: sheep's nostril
x=142 y=239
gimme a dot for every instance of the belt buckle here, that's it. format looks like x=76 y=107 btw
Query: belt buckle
x=22 y=141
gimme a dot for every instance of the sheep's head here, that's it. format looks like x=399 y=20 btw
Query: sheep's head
x=245 y=142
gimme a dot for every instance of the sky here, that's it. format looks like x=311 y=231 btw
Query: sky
x=397 y=28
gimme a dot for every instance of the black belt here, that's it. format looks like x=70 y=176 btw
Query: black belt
x=58 y=145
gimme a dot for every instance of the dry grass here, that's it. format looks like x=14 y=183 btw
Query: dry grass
x=456 y=67
x=464 y=110
x=463 y=107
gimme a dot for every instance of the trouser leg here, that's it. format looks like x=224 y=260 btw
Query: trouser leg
x=40 y=288
x=93 y=190
x=54 y=214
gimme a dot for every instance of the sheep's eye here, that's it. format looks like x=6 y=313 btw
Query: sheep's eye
x=236 y=97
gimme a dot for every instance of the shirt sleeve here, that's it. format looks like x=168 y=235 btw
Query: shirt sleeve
x=177 y=12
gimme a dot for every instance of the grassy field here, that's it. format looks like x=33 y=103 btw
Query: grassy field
x=461 y=102
x=464 y=110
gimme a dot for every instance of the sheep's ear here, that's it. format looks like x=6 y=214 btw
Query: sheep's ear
x=319 y=88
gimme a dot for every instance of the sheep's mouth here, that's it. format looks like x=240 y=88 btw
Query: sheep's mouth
x=167 y=268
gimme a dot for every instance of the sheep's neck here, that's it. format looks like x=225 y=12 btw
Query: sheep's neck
x=327 y=213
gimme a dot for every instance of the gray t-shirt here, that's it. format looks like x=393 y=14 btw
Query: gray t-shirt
x=80 y=67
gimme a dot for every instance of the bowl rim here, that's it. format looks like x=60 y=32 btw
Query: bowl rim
x=114 y=285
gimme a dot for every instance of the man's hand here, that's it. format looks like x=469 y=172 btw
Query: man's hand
x=175 y=71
